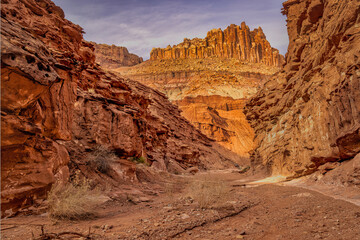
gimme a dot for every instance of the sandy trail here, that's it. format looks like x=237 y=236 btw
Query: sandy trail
x=250 y=211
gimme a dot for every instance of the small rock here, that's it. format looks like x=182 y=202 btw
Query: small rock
x=168 y=209
x=239 y=237
x=184 y=216
x=302 y=195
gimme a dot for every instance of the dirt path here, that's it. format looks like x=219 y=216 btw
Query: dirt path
x=244 y=211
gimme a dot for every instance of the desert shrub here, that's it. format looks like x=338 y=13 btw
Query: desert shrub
x=73 y=201
x=245 y=169
x=139 y=160
x=208 y=193
x=101 y=159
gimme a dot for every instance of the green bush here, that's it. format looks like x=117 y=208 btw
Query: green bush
x=139 y=160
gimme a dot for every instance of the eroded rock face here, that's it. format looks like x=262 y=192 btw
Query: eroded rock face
x=58 y=106
x=309 y=114
x=112 y=57
x=234 y=42
x=210 y=92
x=220 y=118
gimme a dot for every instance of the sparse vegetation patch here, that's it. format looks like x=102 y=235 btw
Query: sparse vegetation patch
x=209 y=193
x=73 y=201
x=101 y=159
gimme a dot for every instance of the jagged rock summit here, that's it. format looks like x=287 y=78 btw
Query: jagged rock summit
x=111 y=56
x=234 y=42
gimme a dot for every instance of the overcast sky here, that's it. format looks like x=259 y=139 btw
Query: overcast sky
x=141 y=25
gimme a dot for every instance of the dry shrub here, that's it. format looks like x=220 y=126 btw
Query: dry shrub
x=101 y=158
x=73 y=201
x=209 y=193
x=171 y=188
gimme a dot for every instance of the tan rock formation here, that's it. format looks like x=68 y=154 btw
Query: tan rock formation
x=310 y=114
x=234 y=42
x=182 y=78
x=58 y=106
x=114 y=56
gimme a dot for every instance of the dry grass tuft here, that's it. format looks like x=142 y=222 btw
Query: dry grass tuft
x=209 y=193
x=74 y=201
x=101 y=159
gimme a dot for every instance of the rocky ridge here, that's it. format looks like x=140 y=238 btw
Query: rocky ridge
x=112 y=57
x=234 y=42
x=308 y=115
x=59 y=106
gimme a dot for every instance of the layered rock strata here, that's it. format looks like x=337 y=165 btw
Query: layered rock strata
x=309 y=114
x=112 y=57
x=58 y=106
x=202 y=88
x=234 y=42
x=220 y=118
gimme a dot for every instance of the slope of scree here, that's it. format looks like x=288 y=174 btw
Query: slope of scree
x=111 y=57
x=58 y=106
x=309 y=114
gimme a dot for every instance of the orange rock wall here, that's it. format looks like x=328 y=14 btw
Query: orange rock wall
x=309 y=114
x=234 y=42
x=210 y=92
x=220 y=118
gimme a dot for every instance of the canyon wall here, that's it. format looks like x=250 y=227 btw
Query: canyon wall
x=234 y=42
x=220 y=118
x=202 y=88
x=59 y=106
x=309 y=114
x=111 y=57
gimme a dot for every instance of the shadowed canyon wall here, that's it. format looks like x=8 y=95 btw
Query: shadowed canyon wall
x=309 y=114
x=58 y=106
x=234 y=42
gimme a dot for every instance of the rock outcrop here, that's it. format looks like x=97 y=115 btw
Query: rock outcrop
x=202 y=88
x=220 y=118
x=58 y=106
x=309 y=114
x=112 y=57
x=234 y=42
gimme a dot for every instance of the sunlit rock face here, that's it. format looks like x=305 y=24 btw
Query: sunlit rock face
x=206 y=76
x=309 y=114
x=111 y=57
x=234 y=42
x=220 y=118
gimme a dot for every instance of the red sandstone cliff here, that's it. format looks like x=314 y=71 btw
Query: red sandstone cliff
x=114 y=56
x=234 y=42
x=220 y=118
x=309 y=114
x=58 y=106
x=202 y=88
